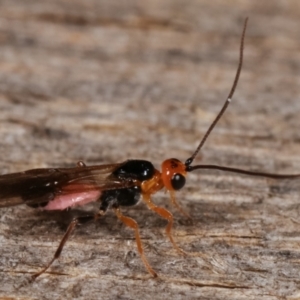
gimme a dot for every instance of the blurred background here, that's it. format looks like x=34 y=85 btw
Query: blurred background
x=106 y=81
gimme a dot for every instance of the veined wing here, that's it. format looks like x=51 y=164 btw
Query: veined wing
x=37 y=187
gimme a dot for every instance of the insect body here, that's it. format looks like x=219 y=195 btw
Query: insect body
x=112 y=185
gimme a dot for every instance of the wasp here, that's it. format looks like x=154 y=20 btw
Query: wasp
x=113 y=186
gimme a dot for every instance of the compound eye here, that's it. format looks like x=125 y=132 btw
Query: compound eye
x=177 y=181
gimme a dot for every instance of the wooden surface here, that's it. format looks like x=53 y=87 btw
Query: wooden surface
x=105 y=81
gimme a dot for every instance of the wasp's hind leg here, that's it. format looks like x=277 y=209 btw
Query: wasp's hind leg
x=76 y=221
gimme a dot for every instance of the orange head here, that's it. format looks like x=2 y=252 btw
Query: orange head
x=173 y=173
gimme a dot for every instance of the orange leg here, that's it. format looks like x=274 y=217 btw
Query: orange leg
x=166 y=215
x=132 y=224
x=175 y=203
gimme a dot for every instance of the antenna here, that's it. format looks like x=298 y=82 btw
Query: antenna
x=190 y=160
x=241 y=171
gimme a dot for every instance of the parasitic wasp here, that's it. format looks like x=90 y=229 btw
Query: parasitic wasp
x=113 y=185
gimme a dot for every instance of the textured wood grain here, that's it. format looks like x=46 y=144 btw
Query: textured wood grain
x=104 y=81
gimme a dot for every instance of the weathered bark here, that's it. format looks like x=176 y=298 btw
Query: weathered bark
x=105 y=81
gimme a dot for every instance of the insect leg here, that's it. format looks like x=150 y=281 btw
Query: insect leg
x=166 y=215
x=70 y=229
x=175 y=203
x=132 y=224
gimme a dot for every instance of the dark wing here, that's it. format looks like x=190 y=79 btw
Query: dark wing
x=38 y=186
